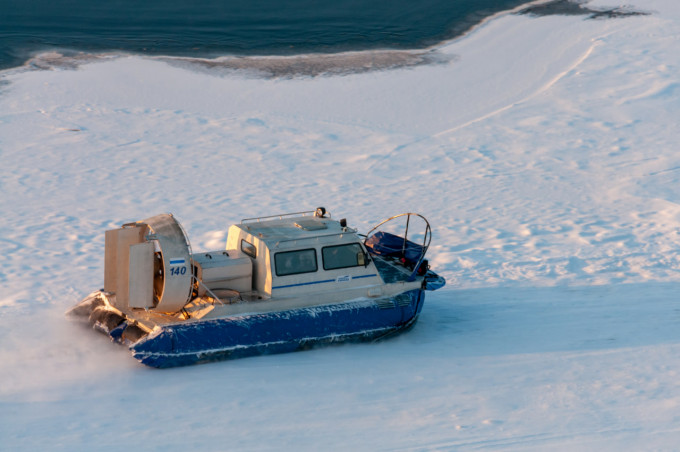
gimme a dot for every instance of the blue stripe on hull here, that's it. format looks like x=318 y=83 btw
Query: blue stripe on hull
x=321 y=282
x=279 y=332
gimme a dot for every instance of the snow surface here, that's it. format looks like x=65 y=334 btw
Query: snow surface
x=543 y=150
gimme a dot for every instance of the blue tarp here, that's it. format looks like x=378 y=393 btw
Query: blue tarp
x=390 y=245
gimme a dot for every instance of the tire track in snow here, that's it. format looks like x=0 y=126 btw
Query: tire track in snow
x=538 y=91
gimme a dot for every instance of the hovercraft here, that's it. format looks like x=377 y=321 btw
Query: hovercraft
x=283 y=283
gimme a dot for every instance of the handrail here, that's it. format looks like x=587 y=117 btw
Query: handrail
x=426 y=239
x=280 y=216
x=428 y=230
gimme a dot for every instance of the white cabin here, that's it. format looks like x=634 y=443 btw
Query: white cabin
x=297 y=255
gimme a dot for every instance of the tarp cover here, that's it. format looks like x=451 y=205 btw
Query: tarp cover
x=390 y=245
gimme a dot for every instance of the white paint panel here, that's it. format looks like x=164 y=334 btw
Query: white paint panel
x=124 y=239
x=141 y=275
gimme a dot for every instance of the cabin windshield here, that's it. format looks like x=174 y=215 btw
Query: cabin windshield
x=295 y=262
x=342 y=256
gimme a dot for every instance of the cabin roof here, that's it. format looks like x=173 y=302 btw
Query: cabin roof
x=292 y=229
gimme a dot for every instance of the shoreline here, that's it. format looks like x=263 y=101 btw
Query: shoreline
x=312 y=64
x=387 y=57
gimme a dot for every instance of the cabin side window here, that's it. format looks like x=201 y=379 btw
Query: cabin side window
x=343 y=256
x=248 y=248
x=295 y=262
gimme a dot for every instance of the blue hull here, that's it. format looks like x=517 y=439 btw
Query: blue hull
x=279 y=332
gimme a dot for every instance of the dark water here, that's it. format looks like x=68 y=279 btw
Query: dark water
x=208 y=28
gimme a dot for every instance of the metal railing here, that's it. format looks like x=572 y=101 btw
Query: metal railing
x=292 y=214
x=427 y=238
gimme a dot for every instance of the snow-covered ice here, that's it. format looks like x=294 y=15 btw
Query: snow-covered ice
x=543 y=150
